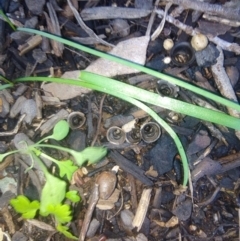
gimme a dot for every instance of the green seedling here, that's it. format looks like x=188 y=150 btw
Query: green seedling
x=24 y=206
x=60 y=131
x=54 y=191
x=73 y=196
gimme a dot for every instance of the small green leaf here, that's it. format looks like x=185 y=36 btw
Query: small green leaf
x=22 y=205
x=73 y=196
x=61 y=212
x=64 y=230
x=53 y=193
x=66 y=168
x=60 y=130
x=90 y=154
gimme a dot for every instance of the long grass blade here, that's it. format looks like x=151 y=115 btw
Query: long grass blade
x=125 y=62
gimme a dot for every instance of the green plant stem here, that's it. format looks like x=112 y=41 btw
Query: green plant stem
x=52 y=146
x=2 y=156
x=40 y=163
x=106 y=84
x=75 y=154
x=141 y=68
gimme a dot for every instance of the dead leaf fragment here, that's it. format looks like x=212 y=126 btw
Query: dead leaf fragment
x=133 y=50
x=173 y=221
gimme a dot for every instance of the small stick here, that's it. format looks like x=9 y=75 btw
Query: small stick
x=161 y=25
x=224 y=85
x=142 y=209
x=233 y=47
x=221 y=20
x=91 y=206
x=133 y=191
x=214 y=9
x=152 y=18
x=209 y=200
x=85 y=27
x=15 y=130
x=99 y=120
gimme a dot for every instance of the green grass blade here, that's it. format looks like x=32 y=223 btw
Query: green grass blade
x=2 y=87
x=5 y=80
x=165 y=102
x=110 y=86
x=7 y=20
x=171 y=79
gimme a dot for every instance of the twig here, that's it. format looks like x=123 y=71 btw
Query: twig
x=142 y=209
x=133 y=191
x=53 y=26
x=90 y=119
x=224 y=85
x=221 y=20
x=233 y=47
x=109 y=217
x=88 y=215
x=161 y=25
x=209 y=200
x=99 y=120
x=214 y=9
x=15 y=130
x=152 y=18
x=85 y=27
x=113 y=13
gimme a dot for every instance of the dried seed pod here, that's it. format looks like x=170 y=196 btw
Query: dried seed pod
x=199 y=42
x=165 y=88
x=76 y=120
x=116 y=135
x=133 y=136
x=182 y=54
x=107 y=181
x=150 y=132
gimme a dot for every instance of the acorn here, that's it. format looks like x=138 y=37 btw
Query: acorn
x=107 y=181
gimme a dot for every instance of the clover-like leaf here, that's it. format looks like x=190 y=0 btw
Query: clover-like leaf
x=64 y=230
x=66 y=168
x=61 y=212
x=23 y=205
x=73 y=196
x=53 y=193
